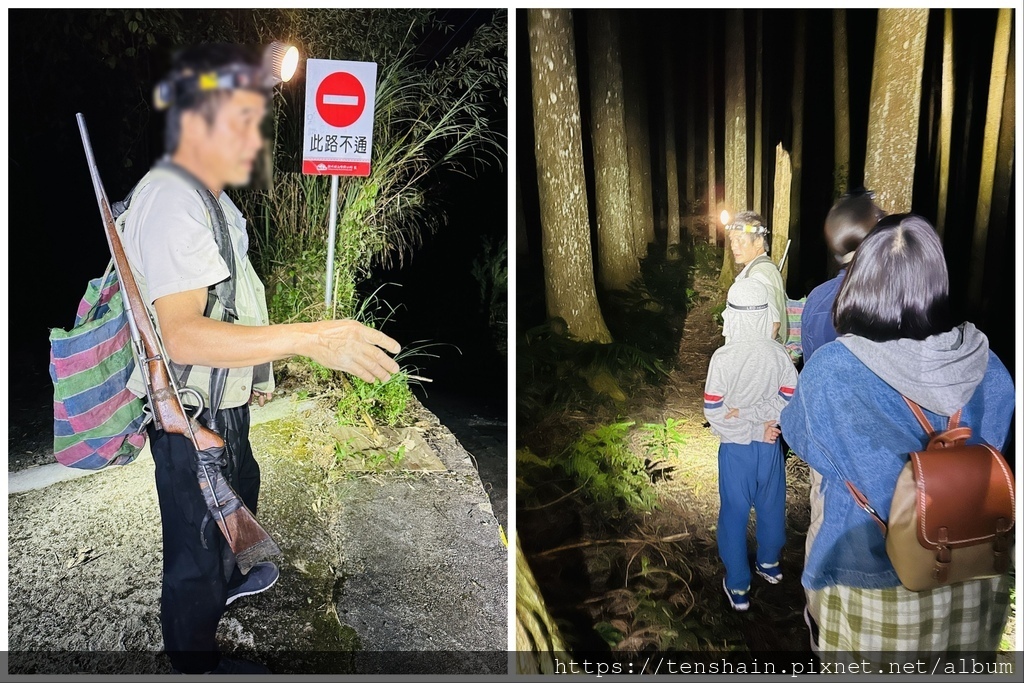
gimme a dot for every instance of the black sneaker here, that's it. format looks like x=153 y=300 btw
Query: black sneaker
x=260 y=578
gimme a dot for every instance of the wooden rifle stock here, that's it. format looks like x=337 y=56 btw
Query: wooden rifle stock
x=248 y=540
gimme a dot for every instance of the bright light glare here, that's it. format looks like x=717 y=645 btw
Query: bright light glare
x=725 y=218
x=289 y=63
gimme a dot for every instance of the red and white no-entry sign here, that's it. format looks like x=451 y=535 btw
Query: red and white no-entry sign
x=338 y=134
x=340 y=99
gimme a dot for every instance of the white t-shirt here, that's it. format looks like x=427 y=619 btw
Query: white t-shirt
x=170 y=247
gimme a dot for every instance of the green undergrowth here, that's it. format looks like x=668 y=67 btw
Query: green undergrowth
x=356 y=460
x=555 y=371
x=598 y=467
x=663 y=440
x=384 y=402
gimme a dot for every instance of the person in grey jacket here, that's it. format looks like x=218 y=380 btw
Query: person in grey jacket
x=750 y=380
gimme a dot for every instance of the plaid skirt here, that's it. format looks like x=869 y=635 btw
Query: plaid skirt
x=965 y=617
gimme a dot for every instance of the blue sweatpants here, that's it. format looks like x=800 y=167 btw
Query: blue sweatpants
x=750 y=475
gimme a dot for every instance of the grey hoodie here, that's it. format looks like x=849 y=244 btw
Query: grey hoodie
x=939 y=373
x=751 y=373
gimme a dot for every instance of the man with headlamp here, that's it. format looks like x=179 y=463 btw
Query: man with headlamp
x=187 y=246
x=750 y=242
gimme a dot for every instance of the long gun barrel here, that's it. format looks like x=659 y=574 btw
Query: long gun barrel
x=248 y=540
x=782 y=261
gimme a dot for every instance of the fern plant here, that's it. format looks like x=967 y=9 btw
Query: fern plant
x=607 y=471
x=662 y=441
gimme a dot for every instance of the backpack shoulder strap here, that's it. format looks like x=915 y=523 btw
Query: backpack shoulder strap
x=921 y=419
x=953 y=435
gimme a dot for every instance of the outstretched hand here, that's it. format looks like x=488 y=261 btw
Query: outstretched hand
x=354 y=348
x=261 y=397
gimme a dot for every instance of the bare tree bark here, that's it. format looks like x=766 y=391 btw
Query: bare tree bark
x=712 y=208
x=841 y=90
x=780 y=212
x=895 y=107
x=990 y=149
x=638 y=139
x=616 y=256
x=671 y=166
x=945 y=121
x=568 y=263
x=735 y=130
x=1002 y=186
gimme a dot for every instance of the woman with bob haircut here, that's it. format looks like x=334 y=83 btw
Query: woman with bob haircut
x=896 y=337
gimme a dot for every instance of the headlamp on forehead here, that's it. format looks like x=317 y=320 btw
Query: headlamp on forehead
x=756 y=229
x=277 y=66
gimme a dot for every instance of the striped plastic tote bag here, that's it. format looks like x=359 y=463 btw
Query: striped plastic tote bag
x=96 y=420
x=795 y=313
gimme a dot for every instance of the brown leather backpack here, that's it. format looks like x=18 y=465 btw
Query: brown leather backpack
x=952 y=512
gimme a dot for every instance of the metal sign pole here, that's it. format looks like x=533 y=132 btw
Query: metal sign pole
x=331 y=239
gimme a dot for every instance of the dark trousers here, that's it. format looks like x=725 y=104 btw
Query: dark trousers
x=196 y=578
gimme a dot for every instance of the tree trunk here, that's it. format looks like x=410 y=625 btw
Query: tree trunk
x=616 y=256
x=895 y=107
x=671 y=167
x=568 y=265
x=538 y=641
x=780 y=214
x=1002 y=186
x=945 y=121
x=712 y=209
x=841 y=90
x=797 y=154
x=758 y=115
x=735 y=131
x=990 y=150
x=638 y=140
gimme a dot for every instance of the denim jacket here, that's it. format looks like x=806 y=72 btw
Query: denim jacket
x=847 y=423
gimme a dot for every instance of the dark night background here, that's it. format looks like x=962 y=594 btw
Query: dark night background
x=58 y=244
x=686 y=32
